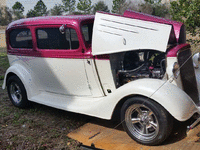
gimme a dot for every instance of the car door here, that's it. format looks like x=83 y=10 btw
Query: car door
x=58 y=64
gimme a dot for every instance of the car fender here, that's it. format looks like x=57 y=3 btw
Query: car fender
x=172 y=98
x=24 y=75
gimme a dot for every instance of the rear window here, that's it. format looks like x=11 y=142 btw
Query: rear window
x=21 y=38
x=52 y=38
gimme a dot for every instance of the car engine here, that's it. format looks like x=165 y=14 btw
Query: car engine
x=141 y=64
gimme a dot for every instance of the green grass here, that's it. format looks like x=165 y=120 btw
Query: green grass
x=4 y=64
x=3 y=49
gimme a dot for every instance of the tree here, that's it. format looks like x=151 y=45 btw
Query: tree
x=154 y=7
x=188 y=12
x=1 y=17
x=31 y=13
x=40 y=8
x=100 y=6
x=18 y=10
x=69 y=6
x=0 y=12
x=6 y=16
x=118 y=6
x=56 y=10
x=85 y=6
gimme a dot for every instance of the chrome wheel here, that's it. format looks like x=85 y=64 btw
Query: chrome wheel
x=15 y=93
x=141 y=122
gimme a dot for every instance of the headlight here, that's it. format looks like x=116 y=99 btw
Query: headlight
x=176 y=70
x=196 y=60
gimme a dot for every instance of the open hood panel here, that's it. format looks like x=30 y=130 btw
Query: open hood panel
x=178 y=27
x=112 y=34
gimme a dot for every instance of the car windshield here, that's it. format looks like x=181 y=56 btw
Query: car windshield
x=87 y=32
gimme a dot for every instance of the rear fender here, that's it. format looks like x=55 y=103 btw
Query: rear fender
x=24 y=76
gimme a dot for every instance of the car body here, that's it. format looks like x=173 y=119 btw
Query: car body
x=133 y=65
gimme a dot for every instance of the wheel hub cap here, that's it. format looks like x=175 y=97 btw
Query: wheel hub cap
x=15 y=93
x=142 y=122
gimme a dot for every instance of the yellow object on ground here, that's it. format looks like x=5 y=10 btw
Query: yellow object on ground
x=2 y=38
x=114 y=139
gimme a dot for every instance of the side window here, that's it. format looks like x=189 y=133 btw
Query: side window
x=52 y=38
x=87 y=32
x=21 y=38
x=72 y=37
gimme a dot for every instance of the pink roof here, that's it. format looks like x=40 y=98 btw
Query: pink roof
x=141 y=16
x=72 y=19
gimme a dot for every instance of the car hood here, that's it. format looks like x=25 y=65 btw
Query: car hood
x=114 y=33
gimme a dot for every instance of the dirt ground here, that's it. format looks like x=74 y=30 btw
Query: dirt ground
x=3 y=27
x=2 y=39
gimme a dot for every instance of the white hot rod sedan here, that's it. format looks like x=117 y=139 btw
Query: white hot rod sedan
x=136 y=67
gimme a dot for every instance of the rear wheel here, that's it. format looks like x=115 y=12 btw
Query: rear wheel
x=146 y=121
x=17 y=92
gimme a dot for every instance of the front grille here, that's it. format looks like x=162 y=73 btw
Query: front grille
x=188 y=74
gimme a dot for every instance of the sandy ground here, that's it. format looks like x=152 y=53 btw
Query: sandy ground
x=2 y=38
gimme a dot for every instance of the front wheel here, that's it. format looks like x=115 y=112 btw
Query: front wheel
x=146 y=121
x=17 y=92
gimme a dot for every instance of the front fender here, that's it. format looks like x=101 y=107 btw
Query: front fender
x=172 y=98
x=24 y=76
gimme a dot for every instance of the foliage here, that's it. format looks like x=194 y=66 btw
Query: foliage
x=100 y=6
x=31 y=13
x=188 y=12
x=160 y=10
x=118 y=6
x=69 y=5
x=18 y=10
x=154 y=7
x=0 y=14
x=5 y=16
x=56 y=10
x=40 y=8
x=77 y=13
x=85 y=6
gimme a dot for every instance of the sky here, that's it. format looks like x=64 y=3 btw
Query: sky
x=29 y=4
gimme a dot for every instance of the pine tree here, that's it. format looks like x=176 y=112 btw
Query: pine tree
x=100 y=6
x=31 y=13
x=56 y=10
x=85 y=6
x=18 y=10
x=69 y=6
x=40 y=8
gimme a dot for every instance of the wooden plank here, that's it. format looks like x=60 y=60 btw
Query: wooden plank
x=114 y=139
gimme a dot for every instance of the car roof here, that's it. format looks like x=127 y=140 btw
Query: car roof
x=69 y=19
